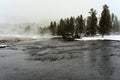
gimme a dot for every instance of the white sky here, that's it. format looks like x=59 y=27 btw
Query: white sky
x=43 y=11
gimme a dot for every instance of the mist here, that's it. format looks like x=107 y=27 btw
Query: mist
x=23 y=31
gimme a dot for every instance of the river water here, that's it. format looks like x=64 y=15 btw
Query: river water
x=55 y=59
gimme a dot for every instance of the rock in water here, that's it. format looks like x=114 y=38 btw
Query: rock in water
x=3 y=46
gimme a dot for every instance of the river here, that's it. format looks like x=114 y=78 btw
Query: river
x=55 y=59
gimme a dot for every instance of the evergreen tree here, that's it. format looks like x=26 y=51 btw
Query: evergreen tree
x=67 y=24
x=115 y=23
x=88 y=26
x=105 y=21
x=93 y=22
x=112 y=17
x=61 y=26
x=71 y=25
x=79 y=26
x=85 y=26
x=53 y=27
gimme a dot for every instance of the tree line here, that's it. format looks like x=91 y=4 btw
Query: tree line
x=87 y=27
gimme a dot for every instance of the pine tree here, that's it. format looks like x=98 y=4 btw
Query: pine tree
x=88 y=26
x=61 y=26
x=93 y=22
x=105 y=21
x=71 y=25
x=112 y=17
x=67 y=25
x=79 y=26
x=115 y=23
x=53 y=27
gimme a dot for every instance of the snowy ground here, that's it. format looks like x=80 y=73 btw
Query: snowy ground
x=109 y=37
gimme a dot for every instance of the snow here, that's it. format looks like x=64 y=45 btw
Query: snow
x=109 y=37
x=98 y=37
x=3 y=46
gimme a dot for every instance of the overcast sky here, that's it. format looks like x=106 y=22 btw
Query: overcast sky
x=43 y=11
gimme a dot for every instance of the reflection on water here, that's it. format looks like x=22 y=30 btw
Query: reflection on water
x=94 y=55
x=55 y=59
x=103 y=62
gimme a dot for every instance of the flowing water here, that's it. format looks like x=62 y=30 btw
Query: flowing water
x=55 y=59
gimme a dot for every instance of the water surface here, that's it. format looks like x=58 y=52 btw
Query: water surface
x=55 y=59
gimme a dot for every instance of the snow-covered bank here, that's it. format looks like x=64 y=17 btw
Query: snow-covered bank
x=47 y=36
x=108 y=37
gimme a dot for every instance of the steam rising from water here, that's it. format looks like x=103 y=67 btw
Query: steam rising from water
x=32 y=31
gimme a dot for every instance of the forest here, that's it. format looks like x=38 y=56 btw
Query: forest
x=104 y=25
